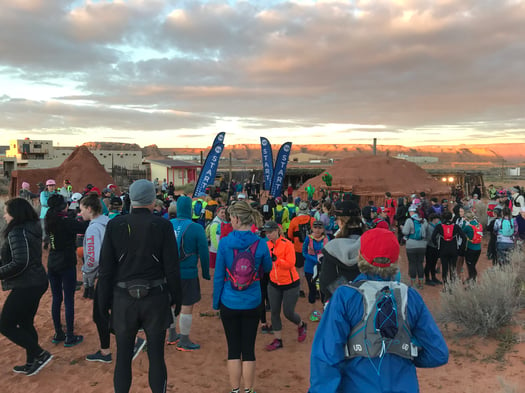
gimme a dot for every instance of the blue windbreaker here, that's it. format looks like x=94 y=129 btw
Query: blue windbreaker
x=330 y=372
x=223 y=292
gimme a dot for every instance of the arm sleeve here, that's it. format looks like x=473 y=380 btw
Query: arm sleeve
x=291 y=229
x=170 y=260
x=107 y=271
x=19 y=245
x=307 y=256
x=433 y=350
x=408 y=226
x=204 y=253
x=287 y=260
x=93 y=241
x=267 y=259
x=218 y=276
x=328 y=348
x=213 y=235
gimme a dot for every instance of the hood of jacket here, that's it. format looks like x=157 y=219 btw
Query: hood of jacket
x=184 y=207
x=345 y=250
x=100 y=220
x=241 y=239
x=33 y=228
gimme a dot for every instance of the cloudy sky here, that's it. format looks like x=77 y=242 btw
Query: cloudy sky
x=175 y=73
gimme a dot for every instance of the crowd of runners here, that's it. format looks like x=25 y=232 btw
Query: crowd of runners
x=263 y=253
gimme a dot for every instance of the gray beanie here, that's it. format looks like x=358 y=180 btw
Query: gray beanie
x=142 y=193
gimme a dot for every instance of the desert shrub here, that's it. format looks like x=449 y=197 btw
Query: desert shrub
x=483 y=307
x=481 y=213
x=186 y=189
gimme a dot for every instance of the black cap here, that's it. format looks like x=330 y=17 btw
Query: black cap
x=348 y=209
x=56 y=202
x=270 y=226
x=318 y=223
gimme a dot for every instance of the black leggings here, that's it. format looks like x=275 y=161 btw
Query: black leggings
x=265 y=279
x=102 y=322
x=431 y=256
x=448 y=266
x=17 y=319
x=312 y=288
x=240 y=327
x=158 y=374
x=471 y=259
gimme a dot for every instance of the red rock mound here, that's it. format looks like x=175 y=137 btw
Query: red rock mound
x=80 y=168
x=371 y=176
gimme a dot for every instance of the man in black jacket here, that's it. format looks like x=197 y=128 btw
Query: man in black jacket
x=139 y=279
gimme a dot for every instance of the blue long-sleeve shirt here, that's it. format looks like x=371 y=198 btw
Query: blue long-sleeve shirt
x=223 y=292
x=310 y=260
x=331 y=372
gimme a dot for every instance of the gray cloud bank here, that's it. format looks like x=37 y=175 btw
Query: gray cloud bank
x=168 y=65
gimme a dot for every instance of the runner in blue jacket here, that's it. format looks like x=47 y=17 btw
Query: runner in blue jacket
x=330 y=369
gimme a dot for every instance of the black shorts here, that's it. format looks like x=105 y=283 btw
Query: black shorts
x=299 y=259
x=191 y=291
x=151 y=313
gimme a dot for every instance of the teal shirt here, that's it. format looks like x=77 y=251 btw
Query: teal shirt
x=469 y=233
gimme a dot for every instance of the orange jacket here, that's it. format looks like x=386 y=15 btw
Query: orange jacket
x=294 y=227
x=283 y=268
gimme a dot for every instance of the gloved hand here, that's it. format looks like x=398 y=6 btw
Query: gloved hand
x=89 y=278
x=176 y=308
x=206 y=276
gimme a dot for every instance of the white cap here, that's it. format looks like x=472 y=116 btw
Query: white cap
x=77 y=196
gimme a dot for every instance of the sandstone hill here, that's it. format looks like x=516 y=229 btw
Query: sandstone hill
x=484 y=154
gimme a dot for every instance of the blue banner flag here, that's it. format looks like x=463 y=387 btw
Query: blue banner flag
x=219 y=138
x=209 y=169
x=267 y=162
x=280 y=169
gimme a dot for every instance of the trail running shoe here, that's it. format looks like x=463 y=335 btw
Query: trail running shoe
x=139 y=346
x=190 y=347
x=39 y=363
x=72 y=340
x=173 y=337
x=315 y=316
x=98 y=357
x=266 y=329
x=58 y=338
x=301 y=333
x=275 y=344
x=22 y=369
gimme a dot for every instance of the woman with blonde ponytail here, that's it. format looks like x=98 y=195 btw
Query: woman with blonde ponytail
x=239 y=301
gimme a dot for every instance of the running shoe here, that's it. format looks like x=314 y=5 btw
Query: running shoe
x=139 y=346
x=266 y=329
x=301 y=333
x=315 y=316
x=72 y=340
x=39 y=363
x=275 y=344
x=99 y=357
x=58 y=338
x=173 y=337
x=22 y=369
x=189 y=347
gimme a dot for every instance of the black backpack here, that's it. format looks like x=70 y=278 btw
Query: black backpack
x=303 y=231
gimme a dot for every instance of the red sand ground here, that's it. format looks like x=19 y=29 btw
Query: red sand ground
x=285 y=370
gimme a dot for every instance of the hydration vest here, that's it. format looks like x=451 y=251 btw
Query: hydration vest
x=368 y=338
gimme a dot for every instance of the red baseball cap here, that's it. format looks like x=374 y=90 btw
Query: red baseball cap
x=379 y=243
